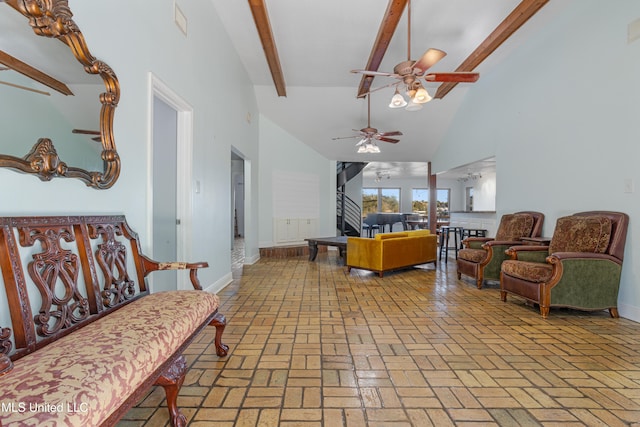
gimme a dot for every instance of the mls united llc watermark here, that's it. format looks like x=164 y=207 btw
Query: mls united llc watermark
x=20 y=407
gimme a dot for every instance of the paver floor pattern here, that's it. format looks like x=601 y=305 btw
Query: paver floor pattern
x=314 y=345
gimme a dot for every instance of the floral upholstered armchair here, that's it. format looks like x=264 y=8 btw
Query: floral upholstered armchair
x=482 y=257
x=579 y=269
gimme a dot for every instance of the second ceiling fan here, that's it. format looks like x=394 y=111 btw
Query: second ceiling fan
x=410 y=72
x=370 y=135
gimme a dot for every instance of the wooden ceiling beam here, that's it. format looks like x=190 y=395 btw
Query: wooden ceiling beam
x=385 y=33
x=33 y=73
x=261 y=19
x=521 y=14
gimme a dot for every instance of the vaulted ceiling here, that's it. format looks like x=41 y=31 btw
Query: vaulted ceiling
x=299 y=54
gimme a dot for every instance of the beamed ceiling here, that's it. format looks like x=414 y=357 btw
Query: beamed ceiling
x=299 y=54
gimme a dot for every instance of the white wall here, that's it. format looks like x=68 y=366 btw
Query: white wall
x=281 y=152
x=561 y=118
x=204 y=70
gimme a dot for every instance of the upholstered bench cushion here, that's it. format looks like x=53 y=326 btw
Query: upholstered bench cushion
x=581 y=234
x=537 y=272
x=514 y=227
x=92 y=370
x=473 y=255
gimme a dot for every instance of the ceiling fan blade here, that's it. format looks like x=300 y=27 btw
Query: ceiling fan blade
x=385 y=139
x=428 y=60
x=461 y=77
x=381 y=87
x=373 y=73
x=345 y=137
x=391 y=133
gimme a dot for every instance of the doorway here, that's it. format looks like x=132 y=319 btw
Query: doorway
x=170 y=183
x=237 y=210
x=165 y=215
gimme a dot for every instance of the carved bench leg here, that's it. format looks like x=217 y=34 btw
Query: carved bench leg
x=5 y=364
x=219 y=321
x=171 y=381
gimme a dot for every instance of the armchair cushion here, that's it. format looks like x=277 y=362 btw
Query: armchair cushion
x=531 y=271
x=581 y=234
x=514 y=226
x=473 y=255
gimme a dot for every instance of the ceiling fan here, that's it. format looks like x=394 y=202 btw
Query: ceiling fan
x=370 y=135
x=410 y=72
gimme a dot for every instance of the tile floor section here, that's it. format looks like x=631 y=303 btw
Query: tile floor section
x=312 y=345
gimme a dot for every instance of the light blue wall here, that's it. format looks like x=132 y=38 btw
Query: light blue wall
x=562 y=118
x=280 y=151
x=136 y=37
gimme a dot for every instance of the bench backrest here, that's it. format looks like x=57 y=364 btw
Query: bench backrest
x=62 y=272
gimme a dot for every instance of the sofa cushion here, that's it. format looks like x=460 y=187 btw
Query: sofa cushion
x=514 y=226
x=581 y=234
x=382 y=236
x=103 y=362
x=473 y=255
x=537 y=272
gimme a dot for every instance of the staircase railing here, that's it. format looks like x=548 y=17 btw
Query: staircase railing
x=349 y=215
x=348 y=212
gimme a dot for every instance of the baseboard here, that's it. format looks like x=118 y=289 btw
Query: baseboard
x=220 y=284
x=252 y=260
x=629 y=312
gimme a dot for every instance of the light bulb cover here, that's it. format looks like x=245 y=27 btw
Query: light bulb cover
x=397 y=101
x=422 y=96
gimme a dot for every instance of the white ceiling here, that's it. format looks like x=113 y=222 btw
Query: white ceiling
x=319 y=42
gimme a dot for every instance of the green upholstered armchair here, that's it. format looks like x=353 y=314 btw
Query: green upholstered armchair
x=482 y=257
x=579 y=269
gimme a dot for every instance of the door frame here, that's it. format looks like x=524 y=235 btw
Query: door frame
x=184 y=159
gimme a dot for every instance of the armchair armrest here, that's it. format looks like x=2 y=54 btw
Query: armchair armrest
x=507 y=243
x=532 y=253
x=475 y=242
x=151 y=266
x=561 y=256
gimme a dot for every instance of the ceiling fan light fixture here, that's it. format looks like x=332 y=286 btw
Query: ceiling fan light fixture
x=368 y=147
x=397 y=101
x=373 y=149
x=421 y=96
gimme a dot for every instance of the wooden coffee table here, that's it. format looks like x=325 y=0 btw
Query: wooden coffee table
x=340 y=242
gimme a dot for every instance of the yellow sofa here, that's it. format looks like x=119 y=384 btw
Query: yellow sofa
x=391 y=251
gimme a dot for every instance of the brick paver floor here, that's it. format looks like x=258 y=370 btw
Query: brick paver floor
x=313 y=345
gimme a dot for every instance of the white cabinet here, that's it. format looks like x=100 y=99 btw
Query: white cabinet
x=286 y=230
x=307 y=227
x=289 y=230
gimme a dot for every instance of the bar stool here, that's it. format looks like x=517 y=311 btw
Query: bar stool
x=445 y=232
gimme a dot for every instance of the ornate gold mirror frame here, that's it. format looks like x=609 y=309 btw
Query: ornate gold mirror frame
x=53 y=19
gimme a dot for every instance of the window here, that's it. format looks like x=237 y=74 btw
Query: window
x=369 y=200
x=380 y=200
x=420 y=200
x=442 y=204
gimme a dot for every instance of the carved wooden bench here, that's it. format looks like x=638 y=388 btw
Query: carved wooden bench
x=81 y=337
